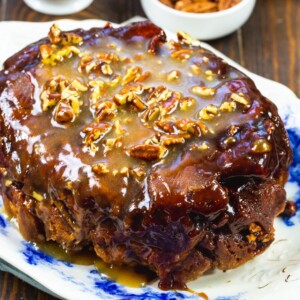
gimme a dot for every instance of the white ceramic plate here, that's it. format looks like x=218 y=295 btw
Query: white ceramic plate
x=273 y=275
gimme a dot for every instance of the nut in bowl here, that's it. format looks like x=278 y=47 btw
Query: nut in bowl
x=221 y=20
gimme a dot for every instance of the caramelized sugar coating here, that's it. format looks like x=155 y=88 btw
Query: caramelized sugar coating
x=154 y=153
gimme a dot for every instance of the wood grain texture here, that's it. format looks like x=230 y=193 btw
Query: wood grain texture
x=269 y=45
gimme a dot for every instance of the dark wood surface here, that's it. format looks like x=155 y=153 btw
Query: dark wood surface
x=269 y=45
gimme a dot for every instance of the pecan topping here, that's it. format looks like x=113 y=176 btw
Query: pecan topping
x=106 y=69
x=200 y=6
x=94 y=132
x=228 y=106
x=166 y=125
x=132 y=74
x=160 y=94
x=138 y=172
x=182 y=54
x=168 y=140
x=186 y=103
x=64 y=112
x=66 y=96
x=209 y=112
x=52 y=92
x=151 y=113
x=240 y=98
x=51 y=54
x=97 y=90
x=119 y=129
x=187 y=39
x=130 y=94
x=109 y=57
x=146 y=152
x=189 y=126
x=199 y=147
x=55 y=34
x=170 y=104
x=261 y=146
x=100 y=169
x=203 y=91
x=173 y=75
x=105 y=110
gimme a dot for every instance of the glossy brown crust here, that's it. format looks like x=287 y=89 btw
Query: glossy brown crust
x=190 y=214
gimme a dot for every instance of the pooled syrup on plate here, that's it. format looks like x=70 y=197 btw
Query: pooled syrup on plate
x=134 y=277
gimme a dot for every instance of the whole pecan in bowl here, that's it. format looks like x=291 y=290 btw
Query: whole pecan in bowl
x=202 y=19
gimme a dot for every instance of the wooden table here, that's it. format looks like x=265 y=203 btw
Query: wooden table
x=269 y=45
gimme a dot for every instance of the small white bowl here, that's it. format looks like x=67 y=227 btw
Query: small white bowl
x=204 y=26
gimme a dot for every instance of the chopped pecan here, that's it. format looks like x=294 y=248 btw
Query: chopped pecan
x=188 y=125
x=240 y=98
x=199 y=147
x=119 y=129
x=105 y=110
x=100 y=169
x=155 y=140
x=173 y=75
x=187 y=39
x=186 y=102
x=195 y=69
x=109 y=58
x=168 y=140
x=72 y=94
x=97 y=90
x=203 y=91
x=87 y=64
x=146 y=152
x=261 y=146
x=59 y=90
x=55 y=34
x=94 y=132
x=106 y=69
x=69 y=38
x=143 y=77
x=233 y=129
x=64 y=112
x=209 y=112
x=228 y=106
x=138 y=172
x=51 y=54
x=166 y=125
x=52 y=92
x=159 y=94
x=170 y=105
x=131 y=74
x=112 y=143
x=130 y=94
x=114 y=81
x=151 y=113
x=182 y=54
x=256 y=232
x=203 y=128
x=79 y=86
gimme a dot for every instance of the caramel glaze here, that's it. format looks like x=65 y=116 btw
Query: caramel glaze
x=207 y=200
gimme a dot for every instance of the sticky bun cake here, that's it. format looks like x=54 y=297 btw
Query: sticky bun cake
x=154 y=153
